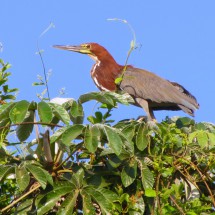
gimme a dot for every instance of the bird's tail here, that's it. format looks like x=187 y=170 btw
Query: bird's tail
x=189 y=102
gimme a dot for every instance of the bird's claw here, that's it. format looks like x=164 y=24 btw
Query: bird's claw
x=152 y=124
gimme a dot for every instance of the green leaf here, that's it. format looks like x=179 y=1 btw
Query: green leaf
x=192 y=136
x=129 y=132
x=51 y=198
x=202 y=138
x=136 y=207
x=113 y=139
x=200 y=126
x=57 y=134
x=211 y=137
x=113 y=161
x=108 y=194
x=25 y=207
x=49 y=178
x=24 y=131
x=5 y=128
x=99 y=116
x=166 y=193
x=22 y=177
x=76 y=109
x=91 y=138
x=118 y=80
x=60 y=112
x=37 y=83
x=146 y=176
x=2 y=81
x=129 y=173
x=5 y=88
x=166 y=172
x=38 y=174
x=45 y=112
x=103 y=197
x=87 y=203
x=184 y=121
x=5 y=109
x=5 y=97
x=19 y=111
x=142 y=138
x=68 y=204
x=98 y=96
x=150 y=192
x=5 y=171
x=71 y=133
x=77 y=178
x=12 y=90
x=123 y=98
x=76 y=113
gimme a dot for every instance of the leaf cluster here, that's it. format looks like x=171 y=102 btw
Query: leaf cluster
x=103 y=166
x=6 y=93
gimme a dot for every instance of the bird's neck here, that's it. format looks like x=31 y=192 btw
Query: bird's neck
x=104 y=72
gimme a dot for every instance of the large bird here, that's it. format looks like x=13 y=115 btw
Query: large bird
x=148 y=90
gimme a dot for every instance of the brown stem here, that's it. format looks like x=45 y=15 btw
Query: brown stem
x=61 y=164
x=206 y=184
x=179 y=208
x=34 y=123
x=20 y=198
x=157 y=191
x=36 y=128
x=64 y=170
x=203 y=178
x=46 y=147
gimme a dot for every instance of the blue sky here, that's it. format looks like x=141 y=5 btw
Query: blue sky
x=177 y=42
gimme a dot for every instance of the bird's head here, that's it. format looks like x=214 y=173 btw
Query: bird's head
x=94 y=50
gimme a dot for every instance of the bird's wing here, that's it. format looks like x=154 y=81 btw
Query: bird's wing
x=148 y=86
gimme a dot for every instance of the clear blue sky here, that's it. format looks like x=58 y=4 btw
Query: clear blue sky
x=177 y=42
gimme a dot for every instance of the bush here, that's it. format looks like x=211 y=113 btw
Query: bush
x=102 y=167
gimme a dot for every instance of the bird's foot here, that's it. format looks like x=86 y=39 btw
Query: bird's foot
x=152 y=124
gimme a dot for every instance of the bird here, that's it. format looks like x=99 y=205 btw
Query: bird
x=148 y=90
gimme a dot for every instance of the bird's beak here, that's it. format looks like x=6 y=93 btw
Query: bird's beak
x=80 y=49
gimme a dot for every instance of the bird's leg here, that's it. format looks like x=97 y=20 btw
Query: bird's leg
x=152 y=115
x=144 y=104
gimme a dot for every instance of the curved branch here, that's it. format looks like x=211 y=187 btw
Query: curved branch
x=29 y=123
x=20 y=198
x=202 y=177
x=179 y=208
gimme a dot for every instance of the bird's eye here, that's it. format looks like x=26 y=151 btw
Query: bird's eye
x=86 y=46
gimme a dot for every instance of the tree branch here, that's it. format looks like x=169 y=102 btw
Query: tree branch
x=19 y=199
x=29 y=123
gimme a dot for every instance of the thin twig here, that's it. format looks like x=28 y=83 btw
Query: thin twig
x=36 y=128
x=157 y=191
x=132 y=45
x=65 y=171
x=179 y=208
x=202 y=177
x=41 y=58
x=29 y=123
x=58 y=158
x=44 y=70
x=19 y=199
x=206 y=184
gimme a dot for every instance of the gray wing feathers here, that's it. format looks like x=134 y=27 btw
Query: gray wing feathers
x=149 y=86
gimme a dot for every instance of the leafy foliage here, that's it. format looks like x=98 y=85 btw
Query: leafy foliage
x=103 y=167
x=6 y=93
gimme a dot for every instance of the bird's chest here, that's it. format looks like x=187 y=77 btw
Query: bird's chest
x=103 y=78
